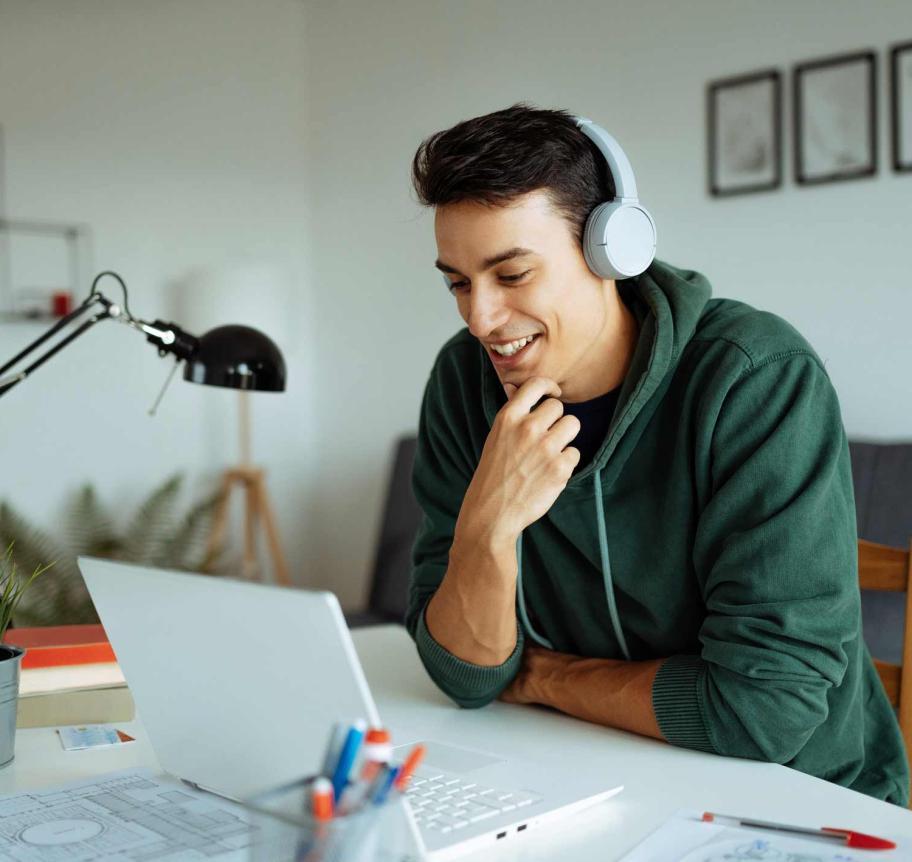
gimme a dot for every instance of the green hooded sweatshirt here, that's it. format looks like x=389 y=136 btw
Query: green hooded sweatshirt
x=714 y=528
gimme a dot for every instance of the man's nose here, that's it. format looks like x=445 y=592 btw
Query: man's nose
x=487 y=311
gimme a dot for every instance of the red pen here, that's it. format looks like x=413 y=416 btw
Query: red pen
x=844 y=836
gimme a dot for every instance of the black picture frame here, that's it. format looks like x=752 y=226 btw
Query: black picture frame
x=901 y=106
x=834 y=100
x=744 y=133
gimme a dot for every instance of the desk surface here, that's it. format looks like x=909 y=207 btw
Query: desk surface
x=658 y=779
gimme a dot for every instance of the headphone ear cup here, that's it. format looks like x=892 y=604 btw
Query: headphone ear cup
x=619 y=240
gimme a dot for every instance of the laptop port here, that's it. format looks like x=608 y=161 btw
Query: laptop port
x=501 y=835
x=520 y=828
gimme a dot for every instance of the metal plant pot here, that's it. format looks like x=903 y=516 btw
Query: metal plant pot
x=10 y=659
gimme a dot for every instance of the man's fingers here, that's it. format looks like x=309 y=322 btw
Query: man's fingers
x=531 y=392
x=546 y=415
x=564 y=430
x=510 y=388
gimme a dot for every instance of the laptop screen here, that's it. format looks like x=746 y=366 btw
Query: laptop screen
x=237 y=684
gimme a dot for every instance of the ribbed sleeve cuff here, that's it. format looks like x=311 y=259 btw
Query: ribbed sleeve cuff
x=677 y=700
x=468 y=684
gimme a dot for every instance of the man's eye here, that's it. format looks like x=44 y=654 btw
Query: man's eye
x=458 y=285
x=517 y=277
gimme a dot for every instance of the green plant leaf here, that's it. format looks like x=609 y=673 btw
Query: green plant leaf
x=13 y=587
x=187 y=548
x=60 y=596
x=154 y=536
x=89 y=528
x=147 y=536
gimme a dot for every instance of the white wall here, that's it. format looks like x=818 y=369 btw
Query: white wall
x=830 y=259
x=199 y=132
x=177 y=131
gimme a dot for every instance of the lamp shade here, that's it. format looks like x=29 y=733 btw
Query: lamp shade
x=238 y=357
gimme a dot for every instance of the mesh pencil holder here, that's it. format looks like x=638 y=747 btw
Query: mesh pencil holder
x=285 y=831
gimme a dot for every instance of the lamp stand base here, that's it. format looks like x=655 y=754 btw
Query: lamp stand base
x=257 y=510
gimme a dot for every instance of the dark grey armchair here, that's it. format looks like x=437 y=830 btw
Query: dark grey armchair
x=392 y=561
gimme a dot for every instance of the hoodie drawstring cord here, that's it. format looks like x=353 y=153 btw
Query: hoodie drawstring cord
x=606 y=565
x=606 y=577
x=521 y=602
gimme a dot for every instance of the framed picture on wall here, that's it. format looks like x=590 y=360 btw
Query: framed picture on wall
x=744 y=133
x=901 y=105
x=835 y=106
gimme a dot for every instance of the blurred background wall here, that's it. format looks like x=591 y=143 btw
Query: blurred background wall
x=177 y=132
x=203 y=132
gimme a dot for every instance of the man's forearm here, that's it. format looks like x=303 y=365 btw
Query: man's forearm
x=472 y=614
x=604 y=691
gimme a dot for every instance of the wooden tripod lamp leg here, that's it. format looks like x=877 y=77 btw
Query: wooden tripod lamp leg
x=219 y=522
x=272 y=534
x=251 y=566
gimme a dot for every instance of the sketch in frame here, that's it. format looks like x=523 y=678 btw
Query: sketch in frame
x=901 y=105
x=744 y=131
x=835 y=105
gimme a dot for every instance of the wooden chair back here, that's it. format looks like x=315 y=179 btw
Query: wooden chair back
x=881 y=567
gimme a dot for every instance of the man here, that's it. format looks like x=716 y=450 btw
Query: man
x=637 y=500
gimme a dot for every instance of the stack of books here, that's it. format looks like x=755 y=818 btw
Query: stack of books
x=69 y=676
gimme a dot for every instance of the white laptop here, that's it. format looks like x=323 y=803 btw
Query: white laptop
x=238 y=686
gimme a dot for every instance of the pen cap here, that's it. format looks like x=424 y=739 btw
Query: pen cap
x=378 y=745
x=321 y=795
x=859 y=840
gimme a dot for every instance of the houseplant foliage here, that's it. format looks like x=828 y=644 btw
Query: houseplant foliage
x=13 y=587
x=156 y=535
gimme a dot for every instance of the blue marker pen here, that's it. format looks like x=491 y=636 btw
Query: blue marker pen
x=347 y=756
x=334 y=748
x=383 y=792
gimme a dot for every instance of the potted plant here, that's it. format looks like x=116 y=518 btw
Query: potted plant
x=12 y=588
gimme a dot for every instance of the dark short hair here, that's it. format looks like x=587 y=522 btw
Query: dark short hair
x=495 y=158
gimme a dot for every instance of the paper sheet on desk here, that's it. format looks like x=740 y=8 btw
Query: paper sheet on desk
x=686 y=838
x=121 y=817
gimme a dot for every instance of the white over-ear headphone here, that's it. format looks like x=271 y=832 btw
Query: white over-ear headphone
x=619 y=240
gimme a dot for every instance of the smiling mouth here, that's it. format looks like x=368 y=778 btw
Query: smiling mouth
x=514 y=347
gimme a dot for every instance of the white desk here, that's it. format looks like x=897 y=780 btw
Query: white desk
x=658 y=779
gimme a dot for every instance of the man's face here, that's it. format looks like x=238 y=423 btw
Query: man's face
x=517 y=272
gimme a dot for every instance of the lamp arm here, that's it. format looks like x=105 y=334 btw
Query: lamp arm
x=12 y=380
x=60 y=324
x=167 y=337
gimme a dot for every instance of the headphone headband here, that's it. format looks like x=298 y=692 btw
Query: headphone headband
x=619 y=239
x=618 y=163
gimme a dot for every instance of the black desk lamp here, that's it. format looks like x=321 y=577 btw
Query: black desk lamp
x=238 y=357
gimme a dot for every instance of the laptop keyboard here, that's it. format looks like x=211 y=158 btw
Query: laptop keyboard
x=443 y=803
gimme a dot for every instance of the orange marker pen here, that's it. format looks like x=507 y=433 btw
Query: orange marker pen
x=321 y=799
x=412 y=762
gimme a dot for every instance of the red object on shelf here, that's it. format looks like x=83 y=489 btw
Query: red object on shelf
x=61 y=303
x=59 y=646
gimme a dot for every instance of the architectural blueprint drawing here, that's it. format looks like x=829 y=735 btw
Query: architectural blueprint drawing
x=129 y=816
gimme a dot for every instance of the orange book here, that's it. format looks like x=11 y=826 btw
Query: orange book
x=59 y=646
